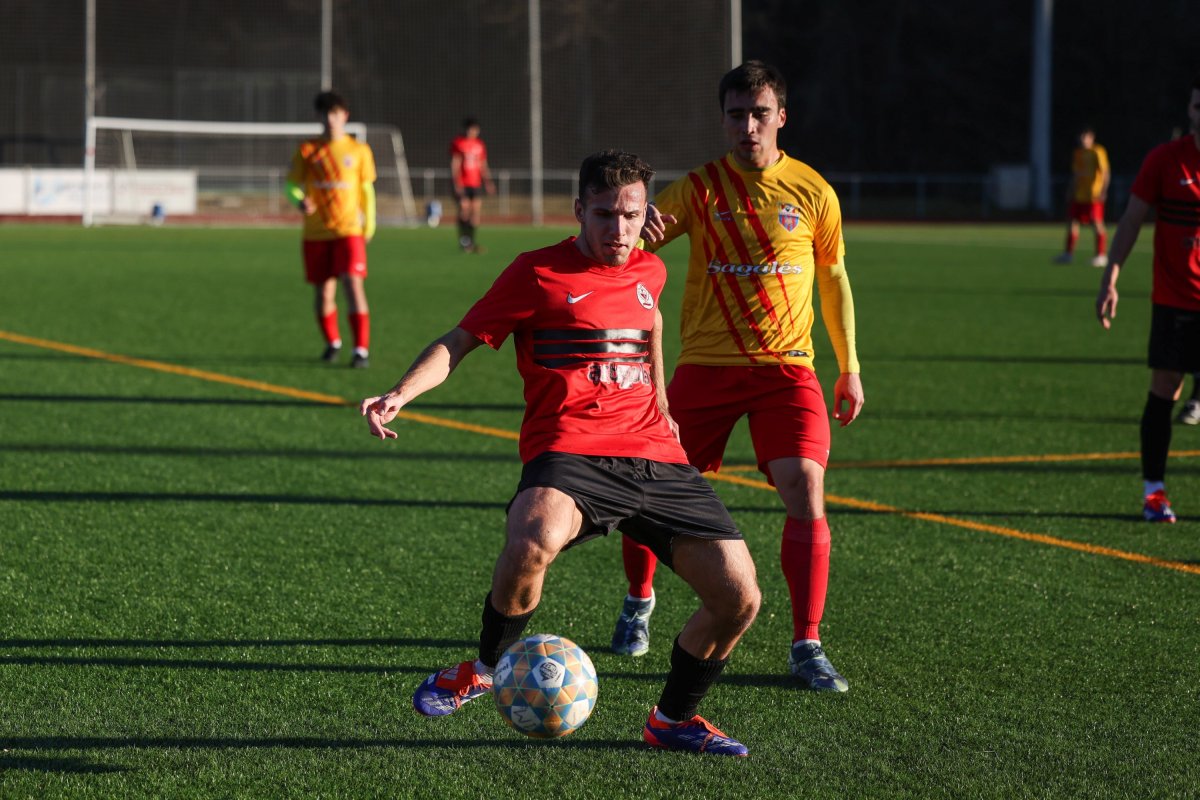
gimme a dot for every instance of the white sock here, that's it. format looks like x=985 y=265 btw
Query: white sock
x=1152 y=487
x=640 y=599
x=661 y=717
x=806 y=641
x=361 y=351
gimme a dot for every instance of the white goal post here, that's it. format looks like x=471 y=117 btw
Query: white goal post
x=234 y=168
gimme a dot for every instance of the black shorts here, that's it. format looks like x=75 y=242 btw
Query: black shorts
x=1174 y=339
x=651 y=501
x=471 y=192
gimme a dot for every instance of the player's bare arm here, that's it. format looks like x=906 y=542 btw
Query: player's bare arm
x=431 y=368
x=658 y=374
x=1123 y=241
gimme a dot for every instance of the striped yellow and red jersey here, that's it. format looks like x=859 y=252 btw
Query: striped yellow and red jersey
x=333 y=175
x=1090 y=166
x=758 y=240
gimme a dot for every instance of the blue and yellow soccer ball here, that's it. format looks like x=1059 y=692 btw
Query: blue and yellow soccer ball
x=545 y=686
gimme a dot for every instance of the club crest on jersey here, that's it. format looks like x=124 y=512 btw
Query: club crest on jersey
x=723 y=216
x=644 y=297
x=789 y=216
x=348 y=161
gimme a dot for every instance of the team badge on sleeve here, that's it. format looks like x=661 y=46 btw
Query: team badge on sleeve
x=789 y=216
x=644 y=297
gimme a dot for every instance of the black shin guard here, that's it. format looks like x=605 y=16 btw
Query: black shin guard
x=1156 y=436
x=498 y=632
x=688 y=681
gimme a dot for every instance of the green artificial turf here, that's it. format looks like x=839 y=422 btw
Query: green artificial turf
x=213 y=590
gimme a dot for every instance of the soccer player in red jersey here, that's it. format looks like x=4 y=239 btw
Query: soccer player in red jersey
x=598 y=446
x=764 y=230
x=332 y=181
x=471 y=175
x=1086 y=194
x=1168 y=181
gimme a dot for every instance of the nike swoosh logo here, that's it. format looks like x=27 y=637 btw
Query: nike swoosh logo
x=572 y=299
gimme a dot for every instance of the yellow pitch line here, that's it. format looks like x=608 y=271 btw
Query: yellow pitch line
x=216 y=377
x=328 y=399
x=880 y=508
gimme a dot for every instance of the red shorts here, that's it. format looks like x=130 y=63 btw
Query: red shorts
x=332 y=258
x=1086 y=213
x=785 y=404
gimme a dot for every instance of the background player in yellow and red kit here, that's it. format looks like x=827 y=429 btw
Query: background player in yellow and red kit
x=471 y=175
x=332 y=181
x=763 y=227
x=1086 y=194
x=1169 y=181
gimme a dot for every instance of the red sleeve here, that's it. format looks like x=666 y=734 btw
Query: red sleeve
x=1148 y=183
x=509 y=302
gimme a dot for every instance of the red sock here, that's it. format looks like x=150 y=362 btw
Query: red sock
x=639 y=567
x=1072 y=238
x=1101 y=243
x=360 y=324
x=329 y=327
x=804 y=556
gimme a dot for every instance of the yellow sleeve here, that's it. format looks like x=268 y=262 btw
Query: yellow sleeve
x=368 y=206
x=1101 y=160
x=837 y=311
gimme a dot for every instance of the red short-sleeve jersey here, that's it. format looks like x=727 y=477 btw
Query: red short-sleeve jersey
x=473 y=153
x=1170 y=180
x=582 y=335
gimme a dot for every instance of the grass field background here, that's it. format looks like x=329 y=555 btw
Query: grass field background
x=218 y=590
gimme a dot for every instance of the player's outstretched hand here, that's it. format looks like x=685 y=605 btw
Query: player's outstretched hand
x=1106 y=305
x=848 y=398
x=655 y=227
x=379 y=411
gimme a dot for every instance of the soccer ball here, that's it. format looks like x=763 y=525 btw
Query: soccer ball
x=545 y=686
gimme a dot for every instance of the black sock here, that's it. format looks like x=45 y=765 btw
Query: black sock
x=688 y=681
x=498 y=632
x=1156 y=436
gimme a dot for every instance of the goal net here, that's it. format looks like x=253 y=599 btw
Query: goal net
x=139 y=170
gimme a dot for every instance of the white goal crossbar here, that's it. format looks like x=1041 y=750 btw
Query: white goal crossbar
x=210 y=128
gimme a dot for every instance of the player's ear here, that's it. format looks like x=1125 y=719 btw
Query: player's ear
x=578 y=210
x=782 y=117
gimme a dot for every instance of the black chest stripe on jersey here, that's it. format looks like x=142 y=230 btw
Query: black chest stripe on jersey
x=589 y=347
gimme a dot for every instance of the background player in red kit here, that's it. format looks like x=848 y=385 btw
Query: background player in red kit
x=1169 y=181
x=598 y=447
x=332 y=181
x=765 y=231
x=471 y=175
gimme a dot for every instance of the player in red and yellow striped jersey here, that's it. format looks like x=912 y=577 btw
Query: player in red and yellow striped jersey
x=764 y=228
x=1086 y=194
x=332 y=181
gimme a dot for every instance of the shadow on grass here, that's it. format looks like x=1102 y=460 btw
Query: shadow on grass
x=943 y=415
x=62 y=765
x=203 y=643
x=215 y=497
x=303 y=743
x=97 y=399
x=1015 y=358
x=372 y=450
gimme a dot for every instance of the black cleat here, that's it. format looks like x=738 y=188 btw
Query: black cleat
x=331 y=353
x=359 y=362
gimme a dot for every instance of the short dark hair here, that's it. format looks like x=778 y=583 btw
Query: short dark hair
x=1196 y=84
x=752 y=77
x=612 y=169
x=469 y=122
x=328 y=101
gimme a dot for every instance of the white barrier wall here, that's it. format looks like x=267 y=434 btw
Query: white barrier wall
x=60 y=192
